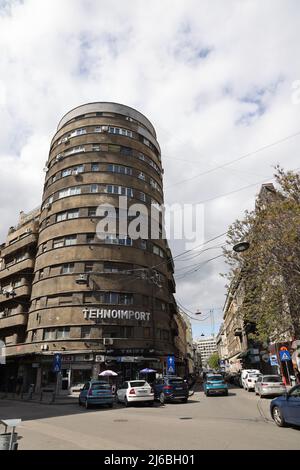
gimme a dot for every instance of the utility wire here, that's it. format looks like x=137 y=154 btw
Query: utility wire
x=242 y=157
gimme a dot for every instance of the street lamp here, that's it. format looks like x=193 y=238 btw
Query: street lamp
x=241 y=247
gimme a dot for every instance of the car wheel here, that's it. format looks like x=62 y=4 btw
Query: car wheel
x=151 y=403
x=207 y=394
x=79 y=402
x=226 y=393
x=277 y=416
x=110 y=405
x=184 y=400
x=248 y=390
x=87 y=405
x=162 y=398
x=126 y=402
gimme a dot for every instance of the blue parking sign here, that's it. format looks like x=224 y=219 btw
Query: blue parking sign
x=170 y=365
x=56 y=366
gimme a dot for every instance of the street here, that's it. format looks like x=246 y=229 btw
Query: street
x=239 y=421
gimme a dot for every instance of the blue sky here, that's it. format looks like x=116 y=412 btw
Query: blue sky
x=214 y=77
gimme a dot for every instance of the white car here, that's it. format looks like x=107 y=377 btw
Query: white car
x=249 y=379
x=135 y=391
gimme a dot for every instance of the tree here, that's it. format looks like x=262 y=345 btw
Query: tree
x=269 y=270
x=213 y=361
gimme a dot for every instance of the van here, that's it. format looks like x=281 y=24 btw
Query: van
x=249 y=378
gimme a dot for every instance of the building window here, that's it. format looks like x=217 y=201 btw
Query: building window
x=58 y=242
x=49 y=333
x=158 y=251
x=88 y=267
x=94 y=188
x=67 y=268
x=92 y=211
x=119 y=169
x=114 y=148
x=95 y=167
x=96 y=148
x=85 y=332
x=142 y=196
x=141 y=176
x=62 y=333
x=116 y=240
x=143 y=244
x=90 y=238
x=71 y=240
x=119 y=131
x=147 y=332
x=69 y=192
x=126 y=151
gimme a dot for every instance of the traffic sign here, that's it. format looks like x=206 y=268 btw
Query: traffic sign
x=56 y=366
x=284 y=356
x=170 y=365
x=273 y=360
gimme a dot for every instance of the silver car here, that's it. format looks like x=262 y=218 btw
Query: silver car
x=269 y=385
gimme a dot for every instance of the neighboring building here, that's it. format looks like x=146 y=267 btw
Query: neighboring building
x=98 y=302
x=221 y=341
x=206 y=347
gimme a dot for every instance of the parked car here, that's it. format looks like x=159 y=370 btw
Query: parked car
x=170 y=388
x=286 y=408
x=134 y=391
x=96 y=392
x=249 y=378
x=268 y=385
x=215 y=384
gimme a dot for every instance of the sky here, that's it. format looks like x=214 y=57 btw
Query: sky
x=218 y=80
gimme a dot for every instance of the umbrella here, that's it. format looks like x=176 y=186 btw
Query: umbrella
x=108 y=373
x=147 y=371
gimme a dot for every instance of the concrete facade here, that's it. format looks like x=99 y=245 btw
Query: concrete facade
x=99 y=152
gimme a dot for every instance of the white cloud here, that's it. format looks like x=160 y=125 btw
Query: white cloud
x=214 y=77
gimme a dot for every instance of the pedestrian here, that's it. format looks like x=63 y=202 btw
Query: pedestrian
x=19 y=384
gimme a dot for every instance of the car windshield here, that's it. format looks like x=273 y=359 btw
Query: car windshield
x=215 y=378
x=138 y=383
x=176 y=380
x=100 y=386
x=272 y=378
x=251 y=376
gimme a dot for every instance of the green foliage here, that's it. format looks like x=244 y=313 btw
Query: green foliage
x=269 y=271
x=213 y=361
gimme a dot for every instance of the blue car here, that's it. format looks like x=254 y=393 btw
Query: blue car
x=286 y=408
x=215 y=385
x=170 y=388
x=96 y=392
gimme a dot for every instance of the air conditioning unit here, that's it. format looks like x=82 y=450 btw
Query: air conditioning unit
x=44 y=347
x=45 y=169
x=47 y=205
x=75 y=172
x=28 y=230
x=108 y=341
x=65 y=139
x=82 y=279
x=2 y=314
x=104 y=128
x=59 y=157
x=99 y=358
x=88 y=357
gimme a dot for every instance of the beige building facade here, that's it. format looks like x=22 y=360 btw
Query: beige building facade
x=96 y=296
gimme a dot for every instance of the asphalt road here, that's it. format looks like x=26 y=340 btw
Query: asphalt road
x=239 y=421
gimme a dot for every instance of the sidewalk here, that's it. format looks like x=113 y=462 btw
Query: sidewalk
x=44 y=399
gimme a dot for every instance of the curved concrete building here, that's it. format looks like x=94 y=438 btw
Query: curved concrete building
x=100 y=299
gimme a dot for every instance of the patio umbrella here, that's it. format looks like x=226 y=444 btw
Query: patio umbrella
x=108 y=373
x=147 y=371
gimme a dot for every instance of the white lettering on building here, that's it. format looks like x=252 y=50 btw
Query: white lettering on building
x=103 y=313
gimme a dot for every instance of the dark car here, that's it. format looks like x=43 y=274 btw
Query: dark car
x=96 y=392
x=286 y=408
x=171 y=388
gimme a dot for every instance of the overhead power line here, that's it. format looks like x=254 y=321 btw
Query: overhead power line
x=242 y=157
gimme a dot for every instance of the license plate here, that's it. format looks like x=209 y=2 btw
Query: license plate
x=178 y=388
